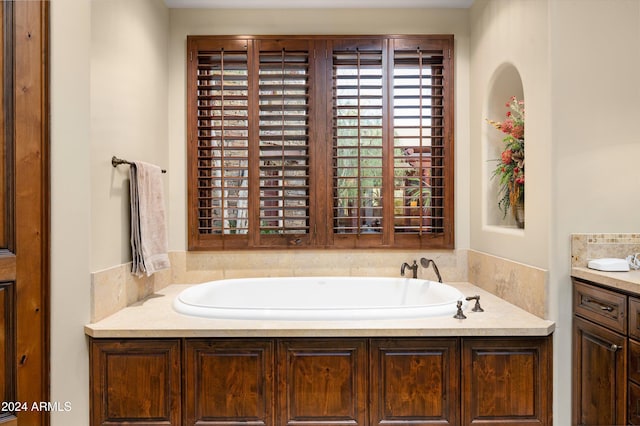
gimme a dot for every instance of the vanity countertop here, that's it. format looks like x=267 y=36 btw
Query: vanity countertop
x=625 y=281
x=155 y=317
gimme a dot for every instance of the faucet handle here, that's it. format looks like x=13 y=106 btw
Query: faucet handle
x=459 y=314
x=476 y=307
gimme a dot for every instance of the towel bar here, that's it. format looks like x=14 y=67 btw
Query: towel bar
x=115 y=162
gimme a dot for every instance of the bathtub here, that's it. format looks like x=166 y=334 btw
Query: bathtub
x=319 y=298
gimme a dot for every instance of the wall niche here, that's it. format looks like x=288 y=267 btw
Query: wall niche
x=504 y=84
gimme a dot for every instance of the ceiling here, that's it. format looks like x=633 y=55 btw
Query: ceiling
x=317 y=4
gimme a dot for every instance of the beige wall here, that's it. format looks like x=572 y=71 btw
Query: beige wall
x=594 y=157
x=128 y=113
x=506 y=33
x=108 y=96
x=70 y=208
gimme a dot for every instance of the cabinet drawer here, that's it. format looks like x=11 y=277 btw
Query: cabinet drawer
x=634 y=318
x=602 y=306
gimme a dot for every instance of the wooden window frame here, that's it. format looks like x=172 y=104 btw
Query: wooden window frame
x=310 y=159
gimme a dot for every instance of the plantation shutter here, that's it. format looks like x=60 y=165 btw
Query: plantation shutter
x=221 y=140
x=357 y=157
x=283 y=98
x=320 y=142
x=419 y=139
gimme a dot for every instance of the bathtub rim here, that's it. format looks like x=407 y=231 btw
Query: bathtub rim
x=357 y=313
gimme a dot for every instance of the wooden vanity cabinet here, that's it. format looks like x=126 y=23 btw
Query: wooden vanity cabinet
x=602 y=347
x=321 y=381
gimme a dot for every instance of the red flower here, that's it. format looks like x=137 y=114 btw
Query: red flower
x=506 y=156
x=507 y=126
x=517 y=132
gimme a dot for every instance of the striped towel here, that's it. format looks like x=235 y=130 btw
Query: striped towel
x=149 y=242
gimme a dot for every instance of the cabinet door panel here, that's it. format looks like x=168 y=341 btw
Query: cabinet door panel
x=634 y=404
x=135 y=381
x=634 y=361
x=506 y=381
x=322 y=382
x=634 y=317
x=414 y=381
x=600 y=371
x=229 y=382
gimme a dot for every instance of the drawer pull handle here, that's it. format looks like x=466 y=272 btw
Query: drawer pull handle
x=614 y=347
x=603 y=306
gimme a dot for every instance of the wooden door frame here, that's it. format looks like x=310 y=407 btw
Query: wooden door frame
x=26 y=115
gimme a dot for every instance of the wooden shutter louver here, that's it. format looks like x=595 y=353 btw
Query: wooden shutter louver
x=419 y=144
x=284 y=141
x=222 y=142
x=357 y=141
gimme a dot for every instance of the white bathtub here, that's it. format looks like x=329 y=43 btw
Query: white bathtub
x=319 y=298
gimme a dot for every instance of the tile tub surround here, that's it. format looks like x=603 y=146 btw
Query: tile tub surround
x=155 y=317
x=115 y=288
x=585 y=247
x=523 y=285
x=197 y=267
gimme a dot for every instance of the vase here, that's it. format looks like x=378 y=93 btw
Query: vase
x=518 y=214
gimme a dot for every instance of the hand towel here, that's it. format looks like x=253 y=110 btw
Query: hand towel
x=149 y=242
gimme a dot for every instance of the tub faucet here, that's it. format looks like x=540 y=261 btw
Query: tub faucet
x=413 y=268
x=425 y=264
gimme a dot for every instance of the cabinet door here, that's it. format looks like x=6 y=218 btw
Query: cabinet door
x=228 y=382
x=322 y=382
x=414 y=381
x=600 y=370
x=135 y=381
x=506 y=381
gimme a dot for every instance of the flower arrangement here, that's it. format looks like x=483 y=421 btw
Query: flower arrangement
x=510 y=168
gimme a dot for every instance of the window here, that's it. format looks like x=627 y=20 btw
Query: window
x=320 y=142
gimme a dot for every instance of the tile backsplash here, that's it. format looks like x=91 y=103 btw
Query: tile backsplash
x=522 y=285
x=585 y=247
